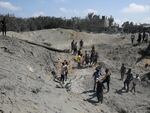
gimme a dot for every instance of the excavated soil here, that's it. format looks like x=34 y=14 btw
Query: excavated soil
x=30 y=61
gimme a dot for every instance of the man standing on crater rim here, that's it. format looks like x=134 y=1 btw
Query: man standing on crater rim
x=3 y=22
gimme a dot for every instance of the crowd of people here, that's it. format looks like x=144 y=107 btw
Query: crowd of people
x=88 y=58
x=142 y=37
x=101 y=75
x=129 y=78
x=100 y=78
x=83 y=58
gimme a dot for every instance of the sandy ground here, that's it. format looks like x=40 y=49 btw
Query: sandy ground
x=27 y=86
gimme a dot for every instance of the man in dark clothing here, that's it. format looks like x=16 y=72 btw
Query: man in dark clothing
x=87 y=58
x=63 y=72
x=80 y=51
x=107 y=78
x=81 y=43
x=146 y=37
x=96 y=75
x=72 y=47
x=99 y=91
x=143 y=36
x=75 y=48
x=122 y=71
x=135 y=81
x=3 y=26
x=95 y=58
x=92 y=54
x=128 y=80
x=139 y=38
x=132 y=38
x=66 y=69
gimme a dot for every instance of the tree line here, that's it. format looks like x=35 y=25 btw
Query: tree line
x=130 y=27
x=91 y=23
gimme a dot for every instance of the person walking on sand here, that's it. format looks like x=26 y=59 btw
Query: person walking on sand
x=106 y=79
x=99 y=91
x=79 y=61
x=72 y=47
x=80 y=51
x=87 y=58
x=146 y=37
x=75 y=48
x=122 y=71
x=139 y=38
x=132 y=38
x=135 y=81
x=66 y=70
x=143 y=37
x=128 y=80
x=96 y=75
x=3 y=22
x=92 y=54
x=63 y=72
x=81 y=43
x=95 y=59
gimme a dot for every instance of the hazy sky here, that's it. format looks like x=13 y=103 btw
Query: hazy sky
x=122 y=10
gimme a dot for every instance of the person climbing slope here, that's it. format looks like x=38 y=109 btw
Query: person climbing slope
x=135 y=81
x=106 y=78
x=87 y=58
x=79 y=60
x=72 y=47
x=81 y=43
x=128 y=80
x=95 y=59
x=66 y=70
x=122 y=71
x=92 y=54
x=63 y=72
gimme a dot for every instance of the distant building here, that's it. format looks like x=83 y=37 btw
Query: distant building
x=104 y=22
x=145 y=25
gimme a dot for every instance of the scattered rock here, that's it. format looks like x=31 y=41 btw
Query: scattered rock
x=35 y=91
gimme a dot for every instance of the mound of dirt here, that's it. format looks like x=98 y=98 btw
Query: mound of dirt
x=27 y=71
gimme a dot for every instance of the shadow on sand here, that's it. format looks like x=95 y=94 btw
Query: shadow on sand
x=93 y=95
x=89 y=91
x=120 y=91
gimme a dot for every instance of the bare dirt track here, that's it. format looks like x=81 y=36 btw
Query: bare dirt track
x=26 y=81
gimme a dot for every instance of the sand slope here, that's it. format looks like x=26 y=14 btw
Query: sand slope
x=26 y=82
